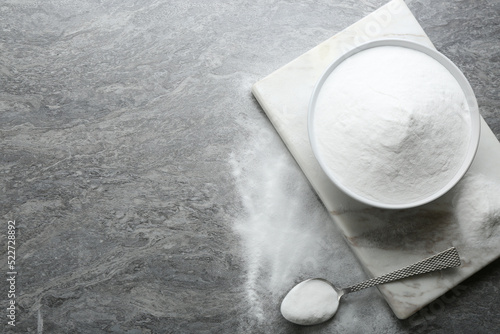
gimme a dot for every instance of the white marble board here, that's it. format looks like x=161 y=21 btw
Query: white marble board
x=384 y=240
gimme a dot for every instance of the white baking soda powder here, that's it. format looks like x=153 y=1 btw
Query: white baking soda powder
x=310 y=302
x=392 y=124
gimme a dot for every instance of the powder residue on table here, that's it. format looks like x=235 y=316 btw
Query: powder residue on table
x=285 y=230
x=287 y=235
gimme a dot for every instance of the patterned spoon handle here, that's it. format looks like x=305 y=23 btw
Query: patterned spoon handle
x=446 y=259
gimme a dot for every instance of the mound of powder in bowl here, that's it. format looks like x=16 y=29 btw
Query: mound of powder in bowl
x=392 y=124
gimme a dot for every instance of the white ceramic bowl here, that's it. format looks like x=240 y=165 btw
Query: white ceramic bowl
x=474 y=130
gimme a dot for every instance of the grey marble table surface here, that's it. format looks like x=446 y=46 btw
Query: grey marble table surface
x=150 y=192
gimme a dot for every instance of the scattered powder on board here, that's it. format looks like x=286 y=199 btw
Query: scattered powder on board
x=392 y=124
x=476 y=205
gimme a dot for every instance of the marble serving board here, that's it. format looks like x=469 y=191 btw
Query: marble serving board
x=385 y=240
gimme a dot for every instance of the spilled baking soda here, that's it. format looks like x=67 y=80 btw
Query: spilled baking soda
x=284 y=229
x=286 y=235
x=476 y=204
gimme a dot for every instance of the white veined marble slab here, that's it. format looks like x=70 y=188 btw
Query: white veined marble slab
x=385 y=240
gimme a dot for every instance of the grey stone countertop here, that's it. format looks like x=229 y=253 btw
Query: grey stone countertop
x=150 y=192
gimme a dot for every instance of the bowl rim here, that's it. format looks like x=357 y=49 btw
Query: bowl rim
x=475 y=125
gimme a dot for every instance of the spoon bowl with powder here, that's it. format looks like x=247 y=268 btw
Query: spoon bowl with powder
x=316 y=300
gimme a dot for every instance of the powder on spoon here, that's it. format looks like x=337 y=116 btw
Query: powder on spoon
x=392 y=124
x=310 y=302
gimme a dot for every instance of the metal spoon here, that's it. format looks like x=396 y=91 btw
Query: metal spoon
x=316 y=300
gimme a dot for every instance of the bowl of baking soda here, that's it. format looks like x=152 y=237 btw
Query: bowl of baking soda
x=394 y=124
